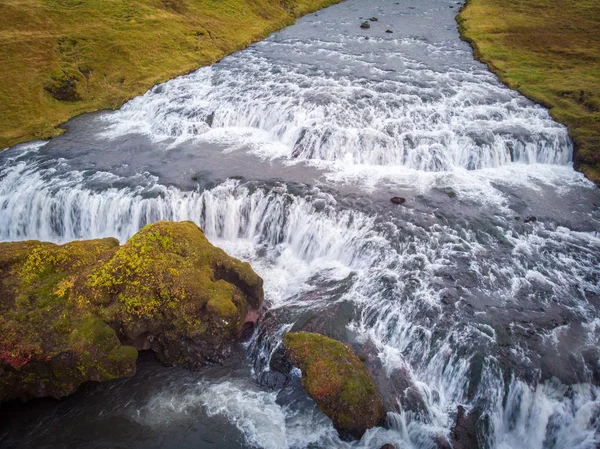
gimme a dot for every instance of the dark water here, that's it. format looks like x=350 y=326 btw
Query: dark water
x=483 y=290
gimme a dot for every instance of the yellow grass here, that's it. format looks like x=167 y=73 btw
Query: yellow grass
x=550 y=52
x=103 y=52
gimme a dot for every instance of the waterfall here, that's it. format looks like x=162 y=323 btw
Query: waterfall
x=481 y=291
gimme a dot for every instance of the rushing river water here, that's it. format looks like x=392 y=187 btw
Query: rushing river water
x=482 y=290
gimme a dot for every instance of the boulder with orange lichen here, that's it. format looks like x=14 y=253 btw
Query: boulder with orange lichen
x=338 y=381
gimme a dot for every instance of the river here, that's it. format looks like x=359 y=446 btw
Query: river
x=482 y=290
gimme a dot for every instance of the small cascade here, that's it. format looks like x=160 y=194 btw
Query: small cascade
x=422 y=119
x=313 y=253
x=480 y=291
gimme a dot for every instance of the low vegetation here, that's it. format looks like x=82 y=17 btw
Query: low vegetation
x=338 y=381
x=79 y=312
x=60 y=58
x=550 y=52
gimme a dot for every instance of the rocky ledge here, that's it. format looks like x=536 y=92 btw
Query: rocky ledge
x=81 y=311
x=338 y=381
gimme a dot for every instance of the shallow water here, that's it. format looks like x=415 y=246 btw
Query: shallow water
x=287 y=155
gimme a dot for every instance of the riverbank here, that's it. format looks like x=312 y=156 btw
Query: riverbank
x=61 y=58
x=550 y=52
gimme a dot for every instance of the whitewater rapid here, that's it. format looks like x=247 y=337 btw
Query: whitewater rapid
x=482 y=291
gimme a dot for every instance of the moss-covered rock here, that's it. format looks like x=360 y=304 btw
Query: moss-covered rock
x=79 y=312
x=338 y=381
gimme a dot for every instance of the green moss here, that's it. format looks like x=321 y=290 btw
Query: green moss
x=95 y=332
x=337 y=380
x=57 y=302
x=551 y=54
x=220 y=302
x=165 y=265
x=123 y=354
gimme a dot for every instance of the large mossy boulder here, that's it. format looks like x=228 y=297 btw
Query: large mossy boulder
x=80 y=312
x=338 y=381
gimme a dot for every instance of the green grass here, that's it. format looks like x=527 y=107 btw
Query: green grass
x=60 y=58
x=550 y=52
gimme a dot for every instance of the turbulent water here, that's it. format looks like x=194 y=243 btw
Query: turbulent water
x=482 y=290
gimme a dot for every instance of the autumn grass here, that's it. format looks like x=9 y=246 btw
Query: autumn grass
x=550 y=52
x=60 y=58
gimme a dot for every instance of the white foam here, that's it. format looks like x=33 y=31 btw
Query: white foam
x=422 y=119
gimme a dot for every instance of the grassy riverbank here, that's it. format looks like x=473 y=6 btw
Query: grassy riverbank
x=550 y=52
x=60 y=58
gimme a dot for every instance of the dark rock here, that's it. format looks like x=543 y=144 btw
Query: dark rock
x=475 y=373
x=530 y=219
x=389 y=31
x=330 y=321
x=441 y=442
x=63 y=87
x=279 y=361
x=395 y=388
x=338 y=381
x=470 y=428
x=273 y=380
x=398 y=200
x=374 y=19
x=210 y=118
x=388 y=446
x=463 y=434
x=365 y=25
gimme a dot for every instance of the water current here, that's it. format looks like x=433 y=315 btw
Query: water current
x=481 y=291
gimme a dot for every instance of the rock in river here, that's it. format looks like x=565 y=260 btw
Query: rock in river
x=80 y=312
x=338 y=381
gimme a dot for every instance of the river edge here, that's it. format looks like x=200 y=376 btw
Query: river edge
x=243 y=64
x=582 y=131
x=89 y=78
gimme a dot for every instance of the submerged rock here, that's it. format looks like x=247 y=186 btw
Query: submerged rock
x=397 y=388
x=210 y=118
x=365 y=25
x=331 y=320
x=80 y=312
x=398 y=200
x=470 y=429
x=338 y=381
